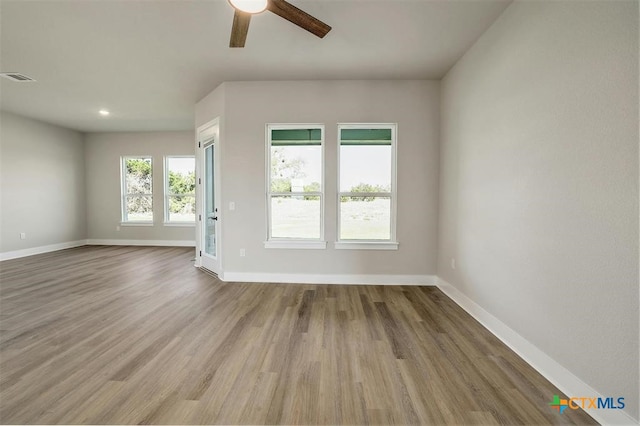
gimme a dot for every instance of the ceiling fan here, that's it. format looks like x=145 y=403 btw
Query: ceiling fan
x=245 y=8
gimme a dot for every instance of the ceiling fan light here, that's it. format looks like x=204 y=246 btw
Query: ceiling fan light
x=249 y=6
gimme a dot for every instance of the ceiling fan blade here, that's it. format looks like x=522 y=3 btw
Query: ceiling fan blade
x=240 y=28
x=298 y=17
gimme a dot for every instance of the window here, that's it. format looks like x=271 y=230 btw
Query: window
x=137 y=190
x=367 y=186
x=295 y=186
x=180 y=190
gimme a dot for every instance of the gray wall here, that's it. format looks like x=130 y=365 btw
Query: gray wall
x=42 y=184
x=248 y=106
x=539 y=183
x=102 y=159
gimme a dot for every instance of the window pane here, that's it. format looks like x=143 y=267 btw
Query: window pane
x=365 y=168
x=296 y=136
x=365 y=218
x=182 y=208
x=181 y=186
x=139 y=208
x=296 y=168
x=138 y=175
x=182 y=175
x=366 y=136
x=295 y=217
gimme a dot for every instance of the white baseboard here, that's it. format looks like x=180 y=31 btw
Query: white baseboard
x=345 y=279
x=163 y=243
x=562 y=378
x=42 y=249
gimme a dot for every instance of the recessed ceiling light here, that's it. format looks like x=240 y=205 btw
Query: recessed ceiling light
x=16 y=76
x=104 y=112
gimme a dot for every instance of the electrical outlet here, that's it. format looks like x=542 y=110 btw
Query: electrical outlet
x=118 y=228
x=453 y=263
x=23 y=235
x=243 y=253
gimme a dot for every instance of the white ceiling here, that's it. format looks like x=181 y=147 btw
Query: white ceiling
x=150 y=61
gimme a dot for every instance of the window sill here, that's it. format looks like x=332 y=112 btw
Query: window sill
x=366 y=245
x=179 y=224
x=312 y=245
x=136 y=223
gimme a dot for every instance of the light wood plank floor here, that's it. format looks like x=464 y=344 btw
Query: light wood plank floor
x=129 y=335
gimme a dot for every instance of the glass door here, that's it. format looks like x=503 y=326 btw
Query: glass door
x=211 y=212
x=210 y=217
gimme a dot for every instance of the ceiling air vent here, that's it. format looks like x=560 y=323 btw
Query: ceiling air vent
x=16 y=76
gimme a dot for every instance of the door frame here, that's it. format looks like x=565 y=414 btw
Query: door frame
x=203 y=133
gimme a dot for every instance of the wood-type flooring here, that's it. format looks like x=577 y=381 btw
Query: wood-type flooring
x=137 y=335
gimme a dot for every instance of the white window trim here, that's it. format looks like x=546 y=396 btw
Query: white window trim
x=365 y=245
x=392 y=243
x=167 y=194
x=294 y=243
x=136 y=224
x=123 y=193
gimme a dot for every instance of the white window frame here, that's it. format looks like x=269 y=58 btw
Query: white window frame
x=124 y=194
x=357 y=244
x=294 y=243
x=168 y=195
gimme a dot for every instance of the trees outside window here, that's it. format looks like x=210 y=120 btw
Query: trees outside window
x=137 y=189
x=294 y=187
x=367 y=183
x=180 y=189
